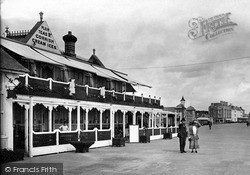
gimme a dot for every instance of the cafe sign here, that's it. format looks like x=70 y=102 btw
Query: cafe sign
x=43 y=38
x=211 y=28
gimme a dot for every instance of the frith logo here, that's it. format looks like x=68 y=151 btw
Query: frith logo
x=210 y=28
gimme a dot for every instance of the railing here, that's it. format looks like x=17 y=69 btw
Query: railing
x=48 y=87
x=58 y=137
x=157 y=131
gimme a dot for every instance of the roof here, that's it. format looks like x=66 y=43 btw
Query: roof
x=95 y=60
x=190 y=108
x=10 y=64
x=180 y=106
x=33 y=30
x=37 y=54
x=171 y=109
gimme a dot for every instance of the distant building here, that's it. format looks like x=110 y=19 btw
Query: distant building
x=181 y=109
x=237 y=114
x=220 y=112
x=190 y=114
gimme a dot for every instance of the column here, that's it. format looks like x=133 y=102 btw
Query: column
x=70 y=117
x=87 y=119
x=26 y=128
x=112 y=122
x=101 y=119
x=78 y=117
x=50 y=117
x=123 y=123
x=142 y=119
x=31 y=127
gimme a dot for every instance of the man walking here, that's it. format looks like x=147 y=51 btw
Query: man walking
x=182 y=134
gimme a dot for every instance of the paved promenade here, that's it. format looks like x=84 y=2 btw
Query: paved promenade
x=223 y=150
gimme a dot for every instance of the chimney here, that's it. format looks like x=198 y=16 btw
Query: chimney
x=69 y=40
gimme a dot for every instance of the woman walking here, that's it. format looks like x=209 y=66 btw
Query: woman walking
x=193 y=136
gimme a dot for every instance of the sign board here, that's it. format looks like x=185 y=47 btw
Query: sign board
x=43 y=39
x=133 y=133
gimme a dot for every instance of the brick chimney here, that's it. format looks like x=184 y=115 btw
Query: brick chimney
x=70 y=41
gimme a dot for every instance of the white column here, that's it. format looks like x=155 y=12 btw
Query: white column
x=142 y=119
x=70 y=117
x=101 y=119
x=134 y=117
x=78 y=117
x=31 y=127
x=87 y=119
x=26 y=128
x=8 y=122
x=50 y=118
x=112 y=122
x=123 y=123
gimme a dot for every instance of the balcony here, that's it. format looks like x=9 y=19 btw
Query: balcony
x=50 y=88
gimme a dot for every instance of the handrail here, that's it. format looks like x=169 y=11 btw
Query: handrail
x=97 y=92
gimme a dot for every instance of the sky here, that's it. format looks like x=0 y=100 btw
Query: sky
x=149 y=40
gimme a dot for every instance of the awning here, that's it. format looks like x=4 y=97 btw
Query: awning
x=25 y=51
x=108 y=73
x=130 y=80
x=74 y=63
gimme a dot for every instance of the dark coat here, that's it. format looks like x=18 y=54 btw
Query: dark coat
x=182 y=130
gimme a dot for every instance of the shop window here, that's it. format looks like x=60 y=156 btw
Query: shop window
x=40 y=118
x=106 y=119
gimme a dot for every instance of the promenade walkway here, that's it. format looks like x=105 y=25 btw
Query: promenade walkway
x=223 y=150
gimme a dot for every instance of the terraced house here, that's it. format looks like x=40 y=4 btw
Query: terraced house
x=43 y=87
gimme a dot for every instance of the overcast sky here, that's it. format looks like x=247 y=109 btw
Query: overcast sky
x=148 y=39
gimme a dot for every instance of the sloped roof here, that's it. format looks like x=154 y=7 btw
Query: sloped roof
x=10 y=64
x=33 y=30
x=190 y=108
x=180 y=106
x=95 y=60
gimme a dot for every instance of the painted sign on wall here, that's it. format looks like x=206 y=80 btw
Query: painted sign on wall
x=43 y=38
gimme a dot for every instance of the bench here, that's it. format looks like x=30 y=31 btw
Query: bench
x=82 y=146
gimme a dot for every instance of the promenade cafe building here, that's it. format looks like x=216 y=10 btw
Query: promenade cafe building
x=42 y=87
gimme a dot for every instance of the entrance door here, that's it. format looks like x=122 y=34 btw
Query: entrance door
x=18 y=126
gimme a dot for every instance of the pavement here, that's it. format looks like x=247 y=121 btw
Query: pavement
x=223 y=150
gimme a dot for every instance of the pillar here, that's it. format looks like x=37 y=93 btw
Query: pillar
x=78 y=117
x=50 y=118
x=26 y=128
x=101 y=119
x=70 y=118
x=112 y=122
x=87 y=119
x=123 y=123
x=31 y=127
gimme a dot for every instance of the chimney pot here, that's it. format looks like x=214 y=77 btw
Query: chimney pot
x=70 y=41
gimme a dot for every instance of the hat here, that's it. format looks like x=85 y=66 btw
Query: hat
x=183 y=120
